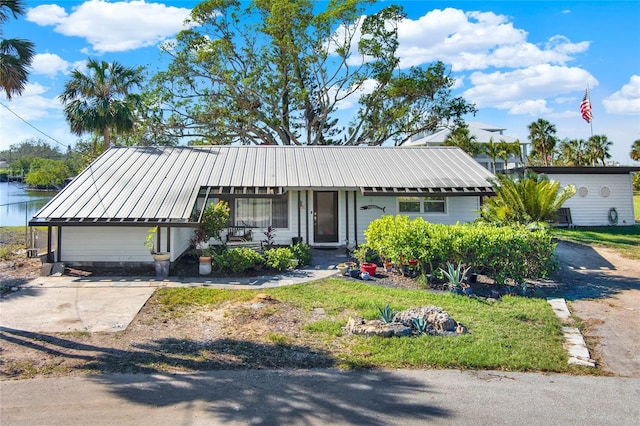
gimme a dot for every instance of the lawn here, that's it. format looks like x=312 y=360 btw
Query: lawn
x=625 y=239
x=514 y=333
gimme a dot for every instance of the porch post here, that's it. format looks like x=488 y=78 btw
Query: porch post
x=306 y=221
x=300 y=217
x=346 y=203
x=355 y=217
x=49 y=254
x=59 y=244
x=159 y=242
x=168 y=239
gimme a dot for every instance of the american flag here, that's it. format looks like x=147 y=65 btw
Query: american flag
x=585 y=107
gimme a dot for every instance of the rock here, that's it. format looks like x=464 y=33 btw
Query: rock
x=376 y=328
x=438 y=322
x=46 y=269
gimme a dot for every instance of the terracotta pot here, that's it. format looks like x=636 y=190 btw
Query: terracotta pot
x=369 y=267
x=205 y=265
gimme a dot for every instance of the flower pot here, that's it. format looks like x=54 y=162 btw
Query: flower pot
x=342 y=268
x=162 y=262
x=354 y=273
x=370 y=268
x=413 y=262
x=388 y=266
x=205 y=265
x=365 y=276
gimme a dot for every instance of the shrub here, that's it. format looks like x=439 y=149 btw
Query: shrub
x=302 y=252
x=278 y=258
x=237 y=260
x=506 y=252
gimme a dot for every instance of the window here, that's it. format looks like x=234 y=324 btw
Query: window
x=262 y=212
x=434 y=205
x=422 y=205
x=409 y=204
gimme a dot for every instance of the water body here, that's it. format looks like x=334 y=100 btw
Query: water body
x=18 y=205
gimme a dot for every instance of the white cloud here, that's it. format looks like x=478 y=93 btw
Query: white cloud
x=49 y=64
x=626 y=100
x=477 y=40
x=113 y=27
x=514 y=90
x=32 y=107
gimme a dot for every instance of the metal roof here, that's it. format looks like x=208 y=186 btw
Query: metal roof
x=161 y=184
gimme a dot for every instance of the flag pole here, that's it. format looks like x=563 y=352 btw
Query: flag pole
x=591 y=106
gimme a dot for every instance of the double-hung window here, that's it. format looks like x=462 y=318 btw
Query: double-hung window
x=262 y=212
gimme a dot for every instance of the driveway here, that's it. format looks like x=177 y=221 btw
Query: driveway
x=603 y=290
x=64 y=308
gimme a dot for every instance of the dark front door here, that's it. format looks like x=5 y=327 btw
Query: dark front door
x=325 y=217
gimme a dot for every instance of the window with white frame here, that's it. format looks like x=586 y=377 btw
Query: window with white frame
x=262 y=212
x=411 y=205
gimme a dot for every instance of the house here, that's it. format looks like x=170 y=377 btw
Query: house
x=325 y=195
x=604 y=195
x=482 y=133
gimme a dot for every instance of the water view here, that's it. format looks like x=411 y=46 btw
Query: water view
x=18 y=205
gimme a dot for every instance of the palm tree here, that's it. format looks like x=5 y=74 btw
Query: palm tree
x=572 y=152
x=494 y=151
x=635 y=150
x=101 y=100
x=597 y=149
x=530 y=199
x=461 y=138
x=15 y=54
x=543 y=140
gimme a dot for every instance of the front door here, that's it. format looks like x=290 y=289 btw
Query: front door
x=325 y=217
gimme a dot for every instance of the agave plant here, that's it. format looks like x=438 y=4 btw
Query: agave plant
x=420 y=324
x=455 y=274
x=386 y=314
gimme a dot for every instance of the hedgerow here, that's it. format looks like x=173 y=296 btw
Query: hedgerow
x=500 y=252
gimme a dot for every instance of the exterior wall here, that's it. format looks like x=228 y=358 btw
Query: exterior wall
x=458 y=209
x=593 y=208
x=116 y=244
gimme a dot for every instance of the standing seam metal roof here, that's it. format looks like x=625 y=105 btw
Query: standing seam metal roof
x=128 y=184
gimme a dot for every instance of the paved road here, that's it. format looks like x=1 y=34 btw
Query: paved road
x=323 y=397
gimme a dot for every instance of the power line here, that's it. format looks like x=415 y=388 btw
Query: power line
x=32 y=126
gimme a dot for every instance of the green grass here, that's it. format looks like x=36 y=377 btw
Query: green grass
x=625 y=239
x=515 y=333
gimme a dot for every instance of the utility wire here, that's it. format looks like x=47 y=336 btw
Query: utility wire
x=32 y=126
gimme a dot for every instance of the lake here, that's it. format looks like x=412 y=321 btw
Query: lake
x=18 y=205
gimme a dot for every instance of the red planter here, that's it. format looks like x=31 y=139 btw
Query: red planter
x=369 y=267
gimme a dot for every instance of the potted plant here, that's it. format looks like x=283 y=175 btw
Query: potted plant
x=204 y=267
x=387 y=265
x=161 y=259
x=342 y=268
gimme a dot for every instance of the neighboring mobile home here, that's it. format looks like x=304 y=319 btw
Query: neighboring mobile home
x=325 y=195
x=604 y=195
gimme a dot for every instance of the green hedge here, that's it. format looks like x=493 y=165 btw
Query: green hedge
x=507 y=252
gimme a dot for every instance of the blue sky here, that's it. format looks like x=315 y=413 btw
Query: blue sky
x=516 y=60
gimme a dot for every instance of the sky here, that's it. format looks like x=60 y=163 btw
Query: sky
x=518 y=61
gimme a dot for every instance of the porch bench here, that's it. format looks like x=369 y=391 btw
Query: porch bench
x=563 y=218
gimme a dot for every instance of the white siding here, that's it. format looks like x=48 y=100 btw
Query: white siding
x=117 y=244
x=593 y=209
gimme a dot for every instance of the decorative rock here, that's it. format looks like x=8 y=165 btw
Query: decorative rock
x=438 y=323
x=376 y=328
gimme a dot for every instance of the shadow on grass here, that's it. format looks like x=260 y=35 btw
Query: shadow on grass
x=242 y=381
x=584 y=274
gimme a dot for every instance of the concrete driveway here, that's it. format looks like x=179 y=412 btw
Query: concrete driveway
x=99 y=307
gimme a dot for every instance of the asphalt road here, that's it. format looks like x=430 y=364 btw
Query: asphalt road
x=323 y=397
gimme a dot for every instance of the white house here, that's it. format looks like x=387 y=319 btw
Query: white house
x=482 y=133
x=325 y=195
x=604 y=195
